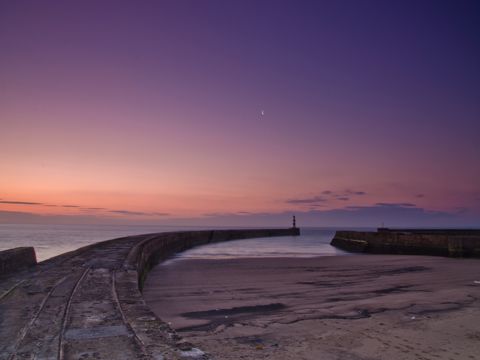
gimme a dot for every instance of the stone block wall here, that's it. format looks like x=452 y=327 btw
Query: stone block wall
x=451 y=243
x=16 y=259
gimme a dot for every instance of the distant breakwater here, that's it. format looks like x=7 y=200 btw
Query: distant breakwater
x=440 y=242
x=88 y=303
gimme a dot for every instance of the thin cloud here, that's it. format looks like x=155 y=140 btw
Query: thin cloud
x=394 y=215
x=352 y=192
x=419 y=196
x=137 y=213
x=395 y=205
x=371 y=216
x=20 y=202
x=325 y=196
x=70 y=206
x=232 y=214
x=128 y=212
x=308 y=201
x=160 y=213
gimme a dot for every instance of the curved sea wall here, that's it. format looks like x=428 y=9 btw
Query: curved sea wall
x=150 y=330
x=456 y=243
x=150 y=252
x=88 y=303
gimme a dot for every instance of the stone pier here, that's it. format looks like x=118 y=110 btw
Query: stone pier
x=87 y=304
x=441 y=242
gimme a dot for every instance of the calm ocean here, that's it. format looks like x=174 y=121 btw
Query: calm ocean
x=51 y=240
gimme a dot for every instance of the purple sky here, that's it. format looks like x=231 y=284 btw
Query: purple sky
x=151 y=112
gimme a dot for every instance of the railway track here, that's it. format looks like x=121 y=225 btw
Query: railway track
x=61 y=342
x=40 y=323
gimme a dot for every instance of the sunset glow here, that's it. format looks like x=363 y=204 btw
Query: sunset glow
x=152 y=112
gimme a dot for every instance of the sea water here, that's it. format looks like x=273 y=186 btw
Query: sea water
x=312 y=242
x=52 y=240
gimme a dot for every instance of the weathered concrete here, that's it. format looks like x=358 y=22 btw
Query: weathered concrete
x=456 y=243
x=87 y=304
x=17 y=258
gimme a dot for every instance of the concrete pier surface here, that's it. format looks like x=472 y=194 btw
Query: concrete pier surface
x=87 y=304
